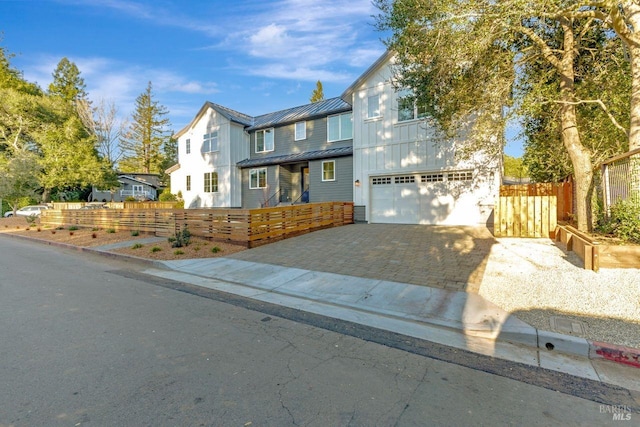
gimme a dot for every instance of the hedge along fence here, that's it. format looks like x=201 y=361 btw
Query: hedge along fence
x=249 y=227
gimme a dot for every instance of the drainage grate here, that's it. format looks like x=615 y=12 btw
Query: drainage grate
x=567 y=326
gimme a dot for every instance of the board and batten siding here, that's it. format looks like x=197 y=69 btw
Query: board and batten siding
x=340 y=190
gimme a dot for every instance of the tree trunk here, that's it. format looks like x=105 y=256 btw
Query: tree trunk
x=579 y=155
x=632 y=41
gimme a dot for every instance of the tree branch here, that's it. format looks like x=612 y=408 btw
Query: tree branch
x=546 y=50
x=604 y=108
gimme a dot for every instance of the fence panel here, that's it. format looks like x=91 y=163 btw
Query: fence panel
x=525 y=216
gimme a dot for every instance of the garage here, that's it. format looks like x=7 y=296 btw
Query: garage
x=425 y=198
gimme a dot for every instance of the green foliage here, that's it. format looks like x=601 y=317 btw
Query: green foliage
x=156 y=249
x=67 y=82
x=623 y=220
x=135 y=233
x=130 y=199
x=216 y=249
x=110 y=230
x=31 y=219
x=136 y=246
x=318 y=93
x=178 y=252
x=18 y=179
x=167 y=196
x=143 y=143
x=72 y=228
x=181 y=238
x=514 y=167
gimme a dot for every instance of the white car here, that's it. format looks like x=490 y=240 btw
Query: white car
x=27 y=211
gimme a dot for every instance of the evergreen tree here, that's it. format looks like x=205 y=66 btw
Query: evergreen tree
x=318 y=93
x=67 y=82
x=142 y=145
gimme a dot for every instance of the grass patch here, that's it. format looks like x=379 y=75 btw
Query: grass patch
x=72 y=228
x=216 y=249
x=178 y=252
x=135 y=233
x=136 y=246
x=110 y=230
x=156 y=249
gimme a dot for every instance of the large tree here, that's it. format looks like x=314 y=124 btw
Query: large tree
x=318 y=93
x=461 y=58
x=143 y=143
x=67 y=82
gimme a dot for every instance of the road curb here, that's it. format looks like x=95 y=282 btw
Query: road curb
x=543 y=340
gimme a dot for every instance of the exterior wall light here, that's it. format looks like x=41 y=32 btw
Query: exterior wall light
x=357 y=183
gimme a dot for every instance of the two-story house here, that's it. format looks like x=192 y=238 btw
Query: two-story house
x=299 y=155
x=404 y=171
x=208 y=149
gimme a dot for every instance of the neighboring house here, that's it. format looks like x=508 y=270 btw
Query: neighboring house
x=140 y=186
x=299 y=155
x=403 y=171
x=208 y=149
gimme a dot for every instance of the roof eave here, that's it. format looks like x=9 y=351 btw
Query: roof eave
x=348 y=93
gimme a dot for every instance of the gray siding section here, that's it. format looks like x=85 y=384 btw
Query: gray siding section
x=254 y=198
x=360 y=213
x=340 y=190
x=284 y=140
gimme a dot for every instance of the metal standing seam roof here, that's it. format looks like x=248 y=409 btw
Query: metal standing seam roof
x=290 y=115
x=232 y=115
x=298 y=157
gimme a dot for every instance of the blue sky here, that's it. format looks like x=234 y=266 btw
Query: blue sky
x=253 y=56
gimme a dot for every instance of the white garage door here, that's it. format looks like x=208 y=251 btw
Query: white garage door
x=425 y=198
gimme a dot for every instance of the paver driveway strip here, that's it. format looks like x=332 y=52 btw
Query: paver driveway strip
x=444 y=257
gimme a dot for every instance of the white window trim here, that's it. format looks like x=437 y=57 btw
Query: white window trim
x=334 y=170
x=340 y=137
x=217 y=187
x=187 y=184
x=209 y=150
x=304 y=131
x=379 y=110
x=272 y=131
x=257 y=172
x=188 y=145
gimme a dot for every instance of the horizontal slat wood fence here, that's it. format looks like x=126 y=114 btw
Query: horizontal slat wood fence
x=250 y=227
x=118 y=205
x=525 y=216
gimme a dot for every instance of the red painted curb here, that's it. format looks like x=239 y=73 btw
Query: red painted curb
x=617 y=353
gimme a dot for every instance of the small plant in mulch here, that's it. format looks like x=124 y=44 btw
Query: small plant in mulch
x=216 y=249
x=196 y=248
x=178 y=252
x=95 y=229
x=31 y=219
x=135 y=233
x=73 y=228
x=94 y=235
x=110 y=230
x=156 y=249
x=181 y=238
x=136 y=246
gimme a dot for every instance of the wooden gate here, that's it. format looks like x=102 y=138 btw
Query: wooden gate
x=525 y=216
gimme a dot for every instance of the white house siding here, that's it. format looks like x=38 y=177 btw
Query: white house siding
x=385 y=148
x=232 y=147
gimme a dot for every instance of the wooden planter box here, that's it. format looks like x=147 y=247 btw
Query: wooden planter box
x=596 y=254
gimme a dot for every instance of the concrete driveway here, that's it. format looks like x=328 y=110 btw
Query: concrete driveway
x=444 y=257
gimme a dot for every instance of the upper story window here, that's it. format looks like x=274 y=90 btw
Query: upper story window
x=339 y=127
x=188 y=145
x=210 y=142
x=408 y=109
x=264 y=140
x=373 y=106
x=188 y=183
x=301 y=131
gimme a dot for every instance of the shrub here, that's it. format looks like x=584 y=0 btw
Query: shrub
x=216 y=249
x=623 y=221
x=181 y=238
x=31 y=219
x=95 y=229
x=178 y=252
x=135 y=233
x=156 y=249
x=136 y=246
x=73 y=228
x=110 y=230
x=130 y=199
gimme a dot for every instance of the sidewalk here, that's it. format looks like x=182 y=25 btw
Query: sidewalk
x=456 y=319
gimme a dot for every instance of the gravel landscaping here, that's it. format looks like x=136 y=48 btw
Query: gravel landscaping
x=536 y=280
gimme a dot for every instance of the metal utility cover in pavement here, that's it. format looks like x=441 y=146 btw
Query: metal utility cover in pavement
x=567 y=326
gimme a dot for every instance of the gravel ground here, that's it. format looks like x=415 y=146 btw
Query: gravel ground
x=536 y=280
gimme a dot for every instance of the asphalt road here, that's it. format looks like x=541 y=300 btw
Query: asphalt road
x=86 y=340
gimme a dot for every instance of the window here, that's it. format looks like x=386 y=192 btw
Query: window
x=258 y=178
x=210 y=142
x=408 y=179
x=188 y=144
x=138 y=189
x=432 y=177
x=301 y=131
x=264 y=140
x=460 y=176
x=339 y=127
x=381 y=181
x=373 y=106
x=329 y=170
x=407 y=107
x=188 y=182
x=211 y=182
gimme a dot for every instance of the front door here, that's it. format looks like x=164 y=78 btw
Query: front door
x=305 y=185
